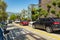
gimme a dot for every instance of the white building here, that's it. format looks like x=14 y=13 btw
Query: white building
x=30 y=7
x=24 y=13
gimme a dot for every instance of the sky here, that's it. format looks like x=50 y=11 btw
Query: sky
x=17 y=5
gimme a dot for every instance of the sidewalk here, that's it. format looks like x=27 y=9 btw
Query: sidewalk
x=43 y=34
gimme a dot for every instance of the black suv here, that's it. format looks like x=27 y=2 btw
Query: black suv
x=49 y=24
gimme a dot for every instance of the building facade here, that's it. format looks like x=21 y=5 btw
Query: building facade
x=24 y=13
x=43 y=4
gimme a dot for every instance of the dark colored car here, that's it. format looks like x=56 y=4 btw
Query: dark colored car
x=3 y=24
x=1 y=35
x=3 y=32
x=10 y=21
x=49 y=24
x=24 y=23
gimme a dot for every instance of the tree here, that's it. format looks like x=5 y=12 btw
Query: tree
x=54 y=3
x=58 y=15
x=35 y=15
x=48 y=6
x=39 y=12
x=18 y=16
x=53 y=11
x=58 y=3
x=13 y=17
x=44 y=12
x=33 y=11
x=3 y=5
x=3 y=14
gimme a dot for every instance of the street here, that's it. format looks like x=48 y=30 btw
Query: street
x=17 y=33
x=28 y=33
x=42 y=33
x=30 y=20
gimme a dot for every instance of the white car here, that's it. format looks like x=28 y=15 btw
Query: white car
x=17 y=21
x=30 y=23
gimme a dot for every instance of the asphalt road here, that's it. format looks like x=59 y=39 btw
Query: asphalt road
x=17 y=33
x=21 y=34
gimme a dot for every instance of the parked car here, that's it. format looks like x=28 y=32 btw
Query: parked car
x=49 y=24
x=10 y=21
x=31 y=23
x=24 y=23
x=2 y=33
x=17 y=21
x=3 y=25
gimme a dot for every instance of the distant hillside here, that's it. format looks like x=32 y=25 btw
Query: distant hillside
x=9 y=13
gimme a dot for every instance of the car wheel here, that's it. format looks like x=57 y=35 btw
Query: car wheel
x=49 y=29
x=33 y=26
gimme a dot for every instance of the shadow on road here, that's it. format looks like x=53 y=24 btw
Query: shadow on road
x=41 y=29
x=56 y=32
x=21 y=34
x=15 y=34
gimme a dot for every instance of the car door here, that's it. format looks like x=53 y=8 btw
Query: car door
x=46 y=21
x=37 y=24
x=42 y=23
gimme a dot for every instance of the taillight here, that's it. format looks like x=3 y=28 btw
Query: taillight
x=56 y=23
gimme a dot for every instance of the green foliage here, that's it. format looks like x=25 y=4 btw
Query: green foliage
x=48 y=6
x=33 y=11
x=54 y=3
x=3 y=5
x=18 y=16
x=58 y=15
x=39 y=9
x=58 y=3
x=13 y=17
x=26 y=19
x=39 y=13
x=3 y=14
x=53 y=11
x=44 y=12
x=34 y=17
